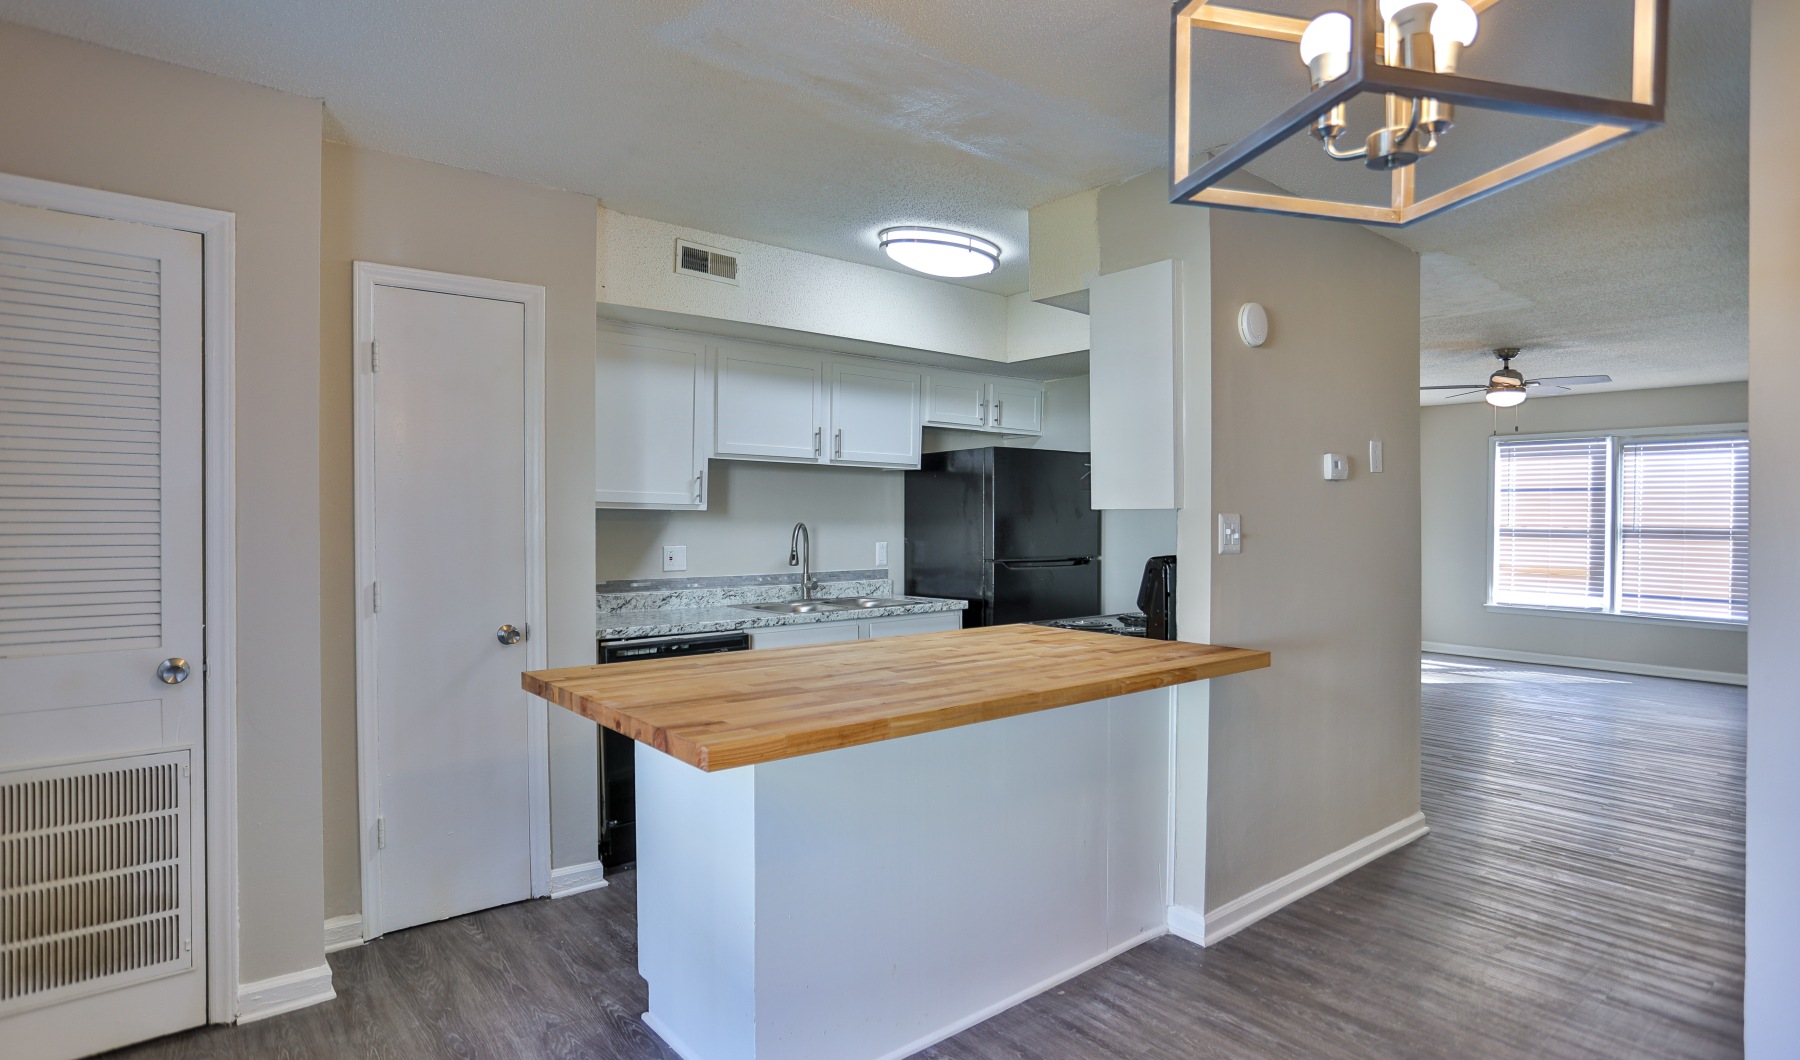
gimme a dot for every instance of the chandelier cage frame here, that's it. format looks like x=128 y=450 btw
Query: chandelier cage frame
x=1608 y=121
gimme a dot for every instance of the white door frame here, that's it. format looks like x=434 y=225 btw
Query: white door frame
x=368 y=276
x=217 y=230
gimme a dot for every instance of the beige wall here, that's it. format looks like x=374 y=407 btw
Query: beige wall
x=400 y=211
x=1322 y=749
x=1454 y=487
x=1772 y=916
x=85 y=115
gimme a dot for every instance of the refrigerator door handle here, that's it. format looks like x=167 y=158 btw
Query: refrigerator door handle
x=1030 y=564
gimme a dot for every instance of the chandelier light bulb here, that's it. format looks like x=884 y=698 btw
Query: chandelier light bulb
x=1392 y=8
x=940 y=252
x=1329 y=34
x=1325 y=49
x=1455 y=21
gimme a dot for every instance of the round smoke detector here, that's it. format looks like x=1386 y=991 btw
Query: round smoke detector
x=1253 y=324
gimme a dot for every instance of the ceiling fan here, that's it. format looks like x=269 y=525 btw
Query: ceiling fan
x=1508 y=387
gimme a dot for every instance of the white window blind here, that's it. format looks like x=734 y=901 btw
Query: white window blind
x=1684 y=528
x=1551 y=523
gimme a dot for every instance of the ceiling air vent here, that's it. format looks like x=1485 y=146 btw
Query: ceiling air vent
x=692 y=259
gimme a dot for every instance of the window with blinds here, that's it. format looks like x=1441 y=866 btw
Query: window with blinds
x=1684 y=528
x=1646 y=526
x=1550 y=523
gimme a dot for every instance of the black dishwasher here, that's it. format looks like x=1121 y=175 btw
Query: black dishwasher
x=618 y=779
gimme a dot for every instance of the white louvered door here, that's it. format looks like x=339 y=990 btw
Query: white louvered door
x=102 y=932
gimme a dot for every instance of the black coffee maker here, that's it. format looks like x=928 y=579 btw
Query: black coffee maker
x=1156 y=598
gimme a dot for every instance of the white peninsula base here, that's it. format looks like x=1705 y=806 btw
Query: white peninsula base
x=869 y=901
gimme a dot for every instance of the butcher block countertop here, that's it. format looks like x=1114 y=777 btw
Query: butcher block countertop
x=740 y=708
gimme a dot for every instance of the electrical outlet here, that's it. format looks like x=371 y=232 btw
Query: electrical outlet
x=881 y=554
x=1374 y=458
x=674 y=557
x=1231 y=535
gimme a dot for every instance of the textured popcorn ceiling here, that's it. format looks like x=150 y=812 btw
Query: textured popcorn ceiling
x=813 y=123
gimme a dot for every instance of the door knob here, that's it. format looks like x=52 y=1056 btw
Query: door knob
x=509 y=634
x=173 y=671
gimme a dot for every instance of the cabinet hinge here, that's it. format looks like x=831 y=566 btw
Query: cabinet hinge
x=381 y=833
x=374 y=356
x=375 y=596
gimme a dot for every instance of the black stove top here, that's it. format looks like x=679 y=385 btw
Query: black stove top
x=1129 y=625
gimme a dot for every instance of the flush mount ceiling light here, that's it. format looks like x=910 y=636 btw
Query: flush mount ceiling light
x=940 y=252
x=1407 y=52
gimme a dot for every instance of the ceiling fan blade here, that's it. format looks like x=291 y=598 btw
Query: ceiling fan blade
x=1544 y=386
x=1456 y=386
x=1569 y=380
x=1466 y=393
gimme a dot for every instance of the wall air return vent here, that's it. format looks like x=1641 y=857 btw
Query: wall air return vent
x=95 y=877
x=692 y=259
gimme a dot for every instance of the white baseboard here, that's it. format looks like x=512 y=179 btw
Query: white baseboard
x=680 y=1048
x=1186 y=923
x=1239 y=913
x=676 y=1045
x=574 y=879
x=284 y=993
x=1680 y=673
x=343 y=932
x=1024 y=995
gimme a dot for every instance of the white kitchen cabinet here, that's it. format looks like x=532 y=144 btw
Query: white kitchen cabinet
x=874 y=415
x=769 y=404
x=1016 y=406
x=901 y=625
x=1135 y=387
x=653 y=413
x=811 y=633
x=956 y=400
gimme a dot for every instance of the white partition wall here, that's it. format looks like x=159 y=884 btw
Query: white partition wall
x=869 y=901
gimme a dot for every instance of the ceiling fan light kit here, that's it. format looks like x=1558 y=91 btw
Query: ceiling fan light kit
x=1508 y=387
x=1408 y=52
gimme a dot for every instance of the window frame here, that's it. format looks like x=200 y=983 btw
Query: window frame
x=1616 y=438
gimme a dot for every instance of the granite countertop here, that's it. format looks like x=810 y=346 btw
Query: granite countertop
x=660 y=608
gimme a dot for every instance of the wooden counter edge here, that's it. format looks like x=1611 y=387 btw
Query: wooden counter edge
x=729 y=754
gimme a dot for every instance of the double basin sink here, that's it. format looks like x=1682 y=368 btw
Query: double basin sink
x=807 y=607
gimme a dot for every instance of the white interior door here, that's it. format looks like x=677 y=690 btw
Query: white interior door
x=102 y=829
x=448 y=531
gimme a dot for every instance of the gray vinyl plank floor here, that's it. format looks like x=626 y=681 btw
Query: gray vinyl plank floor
x=1580 y=895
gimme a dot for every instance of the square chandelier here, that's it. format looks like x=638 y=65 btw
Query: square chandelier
x=1406 y=53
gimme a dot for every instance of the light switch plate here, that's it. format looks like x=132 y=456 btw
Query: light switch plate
x=1374 y=458
x=674 y=557
x=881 y=553
x=1337 y=467
x=1231 y=535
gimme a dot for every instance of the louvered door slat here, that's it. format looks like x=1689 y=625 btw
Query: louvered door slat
x=80 y=405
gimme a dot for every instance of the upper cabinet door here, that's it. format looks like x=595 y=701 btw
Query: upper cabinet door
x=874 y=415
x=955 y=399
x=652 y=422
x=1135 y=386
x=769 y=405
x=1016 y=406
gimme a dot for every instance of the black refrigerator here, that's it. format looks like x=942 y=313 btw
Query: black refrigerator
x=1012 y=531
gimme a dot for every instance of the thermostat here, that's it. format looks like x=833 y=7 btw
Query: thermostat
x=1337 y=467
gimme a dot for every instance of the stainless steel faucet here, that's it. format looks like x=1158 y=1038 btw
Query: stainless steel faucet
x=800 y=555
